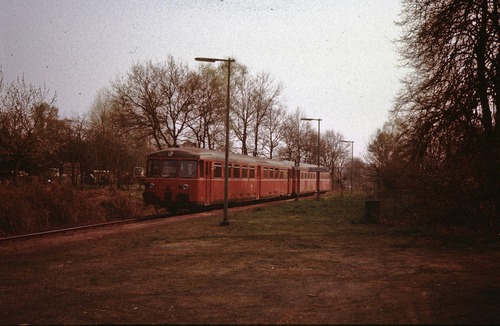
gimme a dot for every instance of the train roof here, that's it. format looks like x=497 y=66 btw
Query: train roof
x=207 y=154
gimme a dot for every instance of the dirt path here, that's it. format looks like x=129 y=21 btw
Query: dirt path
x=291 y=269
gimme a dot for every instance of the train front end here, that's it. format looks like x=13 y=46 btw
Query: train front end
x=173 y=180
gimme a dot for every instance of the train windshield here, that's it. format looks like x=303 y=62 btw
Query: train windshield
x=172 y=168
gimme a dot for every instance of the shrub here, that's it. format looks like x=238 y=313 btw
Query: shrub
x=35 y=208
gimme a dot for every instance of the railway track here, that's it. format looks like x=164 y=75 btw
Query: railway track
x=141 y=219
x=89 y=226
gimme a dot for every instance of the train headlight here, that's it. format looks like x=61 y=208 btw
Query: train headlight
x=184 y=186
x=151 y=185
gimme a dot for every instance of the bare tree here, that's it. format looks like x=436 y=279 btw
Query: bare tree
x=265 y=98
x=295 y=140
x=112 y=146
x=75 y=153
x=334 y=154
x=29 y=124
x=209 y=107
x=383 y=152
x=242 y=108
x=452 y=96
x=157 y=99
x=140 y=99
x=274 y=130
x=178 y=89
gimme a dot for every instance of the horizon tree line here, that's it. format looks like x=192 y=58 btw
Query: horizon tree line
x=153 y=106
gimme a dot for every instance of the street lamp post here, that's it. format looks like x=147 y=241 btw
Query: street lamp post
x=225 y=220
x=317 y=173
x=352 y=156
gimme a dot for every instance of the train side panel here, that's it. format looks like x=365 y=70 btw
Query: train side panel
x=305 y=181
x=191 y=177
x=274 y=182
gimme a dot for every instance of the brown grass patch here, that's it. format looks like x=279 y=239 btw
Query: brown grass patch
x=35 y=208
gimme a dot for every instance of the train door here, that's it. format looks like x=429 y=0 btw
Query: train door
x=259 y=181
x=208 y=183
x=296 y=181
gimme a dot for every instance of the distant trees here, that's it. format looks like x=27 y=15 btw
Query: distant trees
x=242 y=107
x=153 y=106
x=33 y=138
x=299 y=143
x=29 y=126
x=111 y=145
x=75 y=149
x=206 y=129
x=266 y=99
x=175 y=106
x=169 y=103
x=273 y=130
x=335 y=156
x=382 y=154
x=295 y=147
x=143 y=105
x=441 y=153
x=256 y=99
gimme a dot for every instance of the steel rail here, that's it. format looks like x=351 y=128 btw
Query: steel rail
x=139 y=219
x=88 y=226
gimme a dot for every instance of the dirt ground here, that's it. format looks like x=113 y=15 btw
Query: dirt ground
x=297 y=269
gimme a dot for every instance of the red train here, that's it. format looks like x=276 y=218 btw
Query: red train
x=188 y=178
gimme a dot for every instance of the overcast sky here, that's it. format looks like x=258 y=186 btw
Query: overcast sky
x=336 y=58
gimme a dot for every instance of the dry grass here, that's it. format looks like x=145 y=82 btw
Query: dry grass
x=290 y=262
x=35 y=208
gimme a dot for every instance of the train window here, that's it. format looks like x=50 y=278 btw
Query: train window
x=244 y=171
x=217 y=170
x=266 y=173
x=153 y=168
x=236 y=171
x=188 y=169
x=277 y=173
x=252 y=172
x=281 y=174
x=169 y=168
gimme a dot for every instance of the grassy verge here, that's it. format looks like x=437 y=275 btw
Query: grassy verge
x=35 y=208
x=304 y=262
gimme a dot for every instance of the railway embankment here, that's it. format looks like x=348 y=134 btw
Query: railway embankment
x=33 y=208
